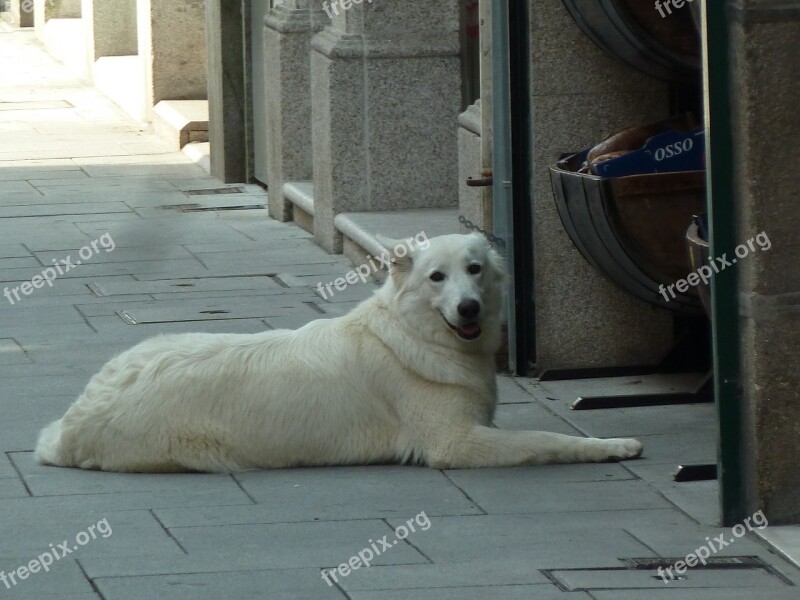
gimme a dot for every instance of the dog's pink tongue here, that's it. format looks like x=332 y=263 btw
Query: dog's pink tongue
x=470 y=328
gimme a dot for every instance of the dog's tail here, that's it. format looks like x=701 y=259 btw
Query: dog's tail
x=48 y=448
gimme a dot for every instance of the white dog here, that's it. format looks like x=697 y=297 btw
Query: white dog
x=408 y=375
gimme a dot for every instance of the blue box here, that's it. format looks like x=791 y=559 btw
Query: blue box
x=667 y=152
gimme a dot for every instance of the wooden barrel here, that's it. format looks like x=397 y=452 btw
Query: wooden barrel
x=634 y=31
x=632 y=229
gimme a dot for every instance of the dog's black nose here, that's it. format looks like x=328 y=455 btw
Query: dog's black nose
x=469 y=309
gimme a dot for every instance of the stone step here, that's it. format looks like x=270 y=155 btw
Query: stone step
x=180 y=122
x=200 y=153
x=122 y=79
x=359 y=229
x=301 y=195
x=63 y=39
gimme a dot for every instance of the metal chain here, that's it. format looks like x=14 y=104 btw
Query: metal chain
x=489 y=236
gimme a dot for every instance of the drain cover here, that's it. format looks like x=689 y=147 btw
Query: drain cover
x=657 y=573
x=191 y=208
x=35 y=105
x=215 y=191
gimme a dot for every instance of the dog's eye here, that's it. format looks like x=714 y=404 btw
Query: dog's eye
x=437 y=276
x=474 y=269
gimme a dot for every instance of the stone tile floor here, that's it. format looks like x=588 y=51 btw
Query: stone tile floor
x=73 y=170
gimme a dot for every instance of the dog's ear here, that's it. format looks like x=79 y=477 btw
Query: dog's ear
x=400 y=252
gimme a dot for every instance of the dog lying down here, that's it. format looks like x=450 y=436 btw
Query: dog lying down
x=406 y=376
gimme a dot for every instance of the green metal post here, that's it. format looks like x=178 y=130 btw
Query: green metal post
x=724 y=287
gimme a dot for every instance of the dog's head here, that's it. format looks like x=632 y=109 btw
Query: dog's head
x=448 y=289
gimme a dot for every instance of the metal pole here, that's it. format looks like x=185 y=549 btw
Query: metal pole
x=724 y=286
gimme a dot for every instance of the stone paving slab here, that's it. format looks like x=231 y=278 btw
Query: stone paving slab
x=11 y=353
x=121 y=533
x=16 y=186
x=295 y=243
x=7 y=470
x=216 y=309
x=130 y=500
x=529 y=494
x=678 y=447
x=697 y=498
x=59 y=173
x=44 y=481
x=27 y=262
x=13 y=251
x=323 y=544
x=625 y=421
x=81 y=300
x=32 y=232
x=12 y=488
x=618 y=579
x=190 y=267
x=31 y=332
x=64 y=579
x=355 y=492
x=268 y=534
x=267 y=293
x=515 y=535
x=72 y=286
x=493 y=571
x=672 y=593
x=250 y=585
x=497 y=592
x=532 y=416
x=680 y=541
x=31 y=370
x=504 y=479
x=107 y=252
x=42 y=316
x=105 y=326
x=322 y=270
x=166 y=231
x=167 y=287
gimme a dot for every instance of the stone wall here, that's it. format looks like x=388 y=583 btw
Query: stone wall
x=765 y=93
x=580 y=95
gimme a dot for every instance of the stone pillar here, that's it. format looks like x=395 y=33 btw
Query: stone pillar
x=44 y=10
x=172 y=44
x=386 y=95
x=22 y=13
x=580 y=95
x=764 y=93
x=110 y=27
x=288 y=29
x=230 y=120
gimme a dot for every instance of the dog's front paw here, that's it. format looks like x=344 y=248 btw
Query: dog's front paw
x=623 y=449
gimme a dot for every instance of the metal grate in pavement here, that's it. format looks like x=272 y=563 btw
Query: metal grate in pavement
x=215 y=191
x=656 y=573
x=35 y=105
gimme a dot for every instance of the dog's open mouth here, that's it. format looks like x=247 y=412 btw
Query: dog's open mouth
x=466 y=331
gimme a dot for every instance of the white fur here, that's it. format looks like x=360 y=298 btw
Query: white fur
x=388 y=382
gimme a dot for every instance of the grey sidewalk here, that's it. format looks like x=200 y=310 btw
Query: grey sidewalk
x=73 y=168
